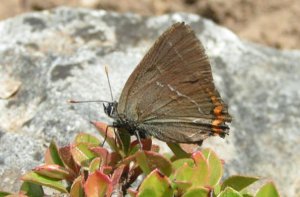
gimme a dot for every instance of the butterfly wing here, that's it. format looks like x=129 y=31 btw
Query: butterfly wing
x=171 y=93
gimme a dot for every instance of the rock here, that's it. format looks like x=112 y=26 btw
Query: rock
x=60 y=54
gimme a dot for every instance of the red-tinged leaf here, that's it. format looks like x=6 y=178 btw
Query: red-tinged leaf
x=82 y=154
x=146 y=143
x=95 y=164
x=197 y=192
x=115 y=180
x=106 y=170
x=215 y=165
x=268 y=189
x=133 y=174
x=117 y=174
x=114 y=159
x=66 y=156
x=97 y=185
x=149 y=161
x=106 y=133
x=31 y=189
x=34 y=177
x=128 y=160
x=155 y=148
x=132 y=192
x=178 y=151
x=86 y=138
x=238 y=183
x=156 y=184
x=53 y=171
x=229 y=192
x=77 y=188
x=189 y=148
x=198 y=157
x=201 y=168
x=52 y=155
x=101 y=152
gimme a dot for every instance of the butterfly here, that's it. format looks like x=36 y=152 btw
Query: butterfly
x=171 y=94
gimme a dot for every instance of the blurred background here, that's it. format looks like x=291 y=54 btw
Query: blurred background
x=274 y=23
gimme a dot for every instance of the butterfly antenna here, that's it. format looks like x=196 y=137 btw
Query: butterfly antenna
x=88 y=101
x=106 y=72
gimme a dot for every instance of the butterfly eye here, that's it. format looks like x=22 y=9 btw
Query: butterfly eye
x=109 y=109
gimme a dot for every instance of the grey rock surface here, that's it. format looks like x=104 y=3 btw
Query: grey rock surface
x=49 y=57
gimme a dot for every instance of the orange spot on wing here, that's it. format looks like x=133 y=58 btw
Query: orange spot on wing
x=218 y=110
x=217 y=122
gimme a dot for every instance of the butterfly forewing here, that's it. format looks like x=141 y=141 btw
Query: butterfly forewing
x=171 y=93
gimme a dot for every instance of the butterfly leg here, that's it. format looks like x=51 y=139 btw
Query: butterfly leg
x=118 y=138
x=105 y=137
x=138 y=138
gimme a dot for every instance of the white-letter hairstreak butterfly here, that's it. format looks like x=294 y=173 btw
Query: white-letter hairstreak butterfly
x=171 y=95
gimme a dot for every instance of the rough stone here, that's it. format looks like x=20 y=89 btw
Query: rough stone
x=60 y=54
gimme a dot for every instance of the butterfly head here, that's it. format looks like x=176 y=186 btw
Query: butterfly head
x=111 y=109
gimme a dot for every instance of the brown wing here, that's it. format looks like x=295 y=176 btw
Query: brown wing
x=173 y=86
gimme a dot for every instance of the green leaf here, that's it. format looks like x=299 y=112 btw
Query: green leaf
x=32 y=189
x=197 y=192
x=143 y=162
x=2 y=194
x=156 y=185
x=268 y=189
x=82 y=154
x=181 y=186
x=184 y=173
x=238 y=182
x=149 y=160
x=215 y=165
x=229 y=192
x=217 y=189
x=53 y=156
x=95 y=164
x=179 y=163
x=86 y=138
x=125 y=140
x=97 y=185
x=198 y=175
x=77 y=188
x=247 y=195
x=34 y=177
x=178 y=151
